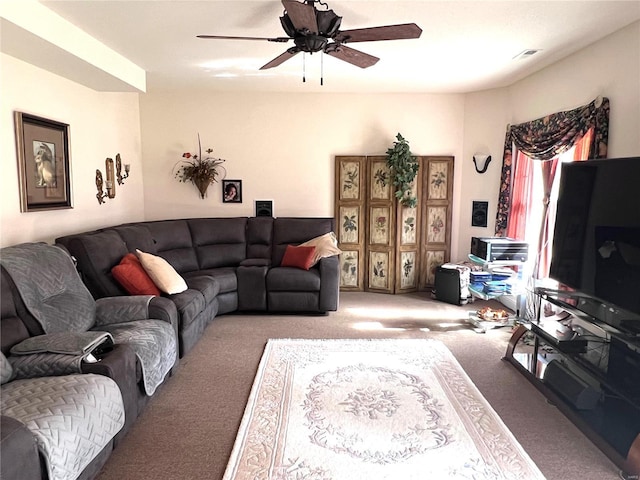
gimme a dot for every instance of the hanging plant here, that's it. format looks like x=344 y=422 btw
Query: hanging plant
x=199 y=170
x=404 y=168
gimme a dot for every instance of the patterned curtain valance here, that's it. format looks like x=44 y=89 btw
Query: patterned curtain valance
x=548 y=137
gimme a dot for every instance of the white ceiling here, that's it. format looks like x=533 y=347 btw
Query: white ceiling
x=465 y=46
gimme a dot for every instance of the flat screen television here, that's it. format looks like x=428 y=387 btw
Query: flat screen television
x=596 y=245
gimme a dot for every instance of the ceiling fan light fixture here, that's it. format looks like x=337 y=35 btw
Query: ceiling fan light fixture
x=328 y=23
x=314 y=30
x=310 y=43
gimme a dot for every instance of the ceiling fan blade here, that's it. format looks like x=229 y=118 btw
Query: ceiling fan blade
x=225 y=37
x=352 y=56
x=372 y=34
x=302 y=15
x=279 y=60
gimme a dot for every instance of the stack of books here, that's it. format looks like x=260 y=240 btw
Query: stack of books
x=478 y=279
x=495 y=287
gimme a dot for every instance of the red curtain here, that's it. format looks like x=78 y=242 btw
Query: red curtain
x=549 y=170
x=583 y=147
x=522 y=196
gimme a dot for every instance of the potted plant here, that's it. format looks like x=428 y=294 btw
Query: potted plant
x=404 y=168
x=199 y=170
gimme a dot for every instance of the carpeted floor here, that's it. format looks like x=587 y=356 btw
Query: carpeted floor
x=188 y=429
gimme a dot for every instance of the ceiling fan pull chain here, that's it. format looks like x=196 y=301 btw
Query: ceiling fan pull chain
x=322 y=68
x=304 y=67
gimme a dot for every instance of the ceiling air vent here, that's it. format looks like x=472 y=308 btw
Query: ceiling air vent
x=526 y=54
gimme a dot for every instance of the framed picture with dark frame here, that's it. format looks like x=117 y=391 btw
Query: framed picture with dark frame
x=44 y=167
x=231 y=191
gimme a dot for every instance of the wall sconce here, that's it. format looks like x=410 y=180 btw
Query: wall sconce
x=107 y=184
x=127 y=168
x=110 y=182
x=99 y=185
x=483 y=159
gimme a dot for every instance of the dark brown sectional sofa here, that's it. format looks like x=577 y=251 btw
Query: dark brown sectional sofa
x=229 y=265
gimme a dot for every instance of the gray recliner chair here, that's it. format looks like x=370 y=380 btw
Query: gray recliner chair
x=55 y=296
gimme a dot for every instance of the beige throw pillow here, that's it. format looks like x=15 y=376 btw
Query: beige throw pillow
x=162 y=273
x=326 y=246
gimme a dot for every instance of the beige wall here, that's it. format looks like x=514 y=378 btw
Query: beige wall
x=101 y=125
x=610 y=67
x=283 y=146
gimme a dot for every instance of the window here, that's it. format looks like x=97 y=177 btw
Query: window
x=532 y=212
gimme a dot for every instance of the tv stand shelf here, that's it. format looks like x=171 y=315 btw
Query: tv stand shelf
x=591 y=373
x=564 y=341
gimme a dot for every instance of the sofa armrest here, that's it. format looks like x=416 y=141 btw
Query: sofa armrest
x=329 y=283
x=119 y=364
x=110 y=310
x=162 y=308
x=19 y=458
x=139 y=307
x=255 y=262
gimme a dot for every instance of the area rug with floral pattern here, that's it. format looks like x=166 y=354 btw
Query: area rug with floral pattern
x=370 y=409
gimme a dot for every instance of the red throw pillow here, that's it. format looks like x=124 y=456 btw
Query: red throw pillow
x=130 y=258
x=133 y=277
x=298 y=257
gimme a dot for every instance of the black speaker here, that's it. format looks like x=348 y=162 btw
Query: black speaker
x=264 y=208
x=479 y=213
x=570 y=386
x=447 y=285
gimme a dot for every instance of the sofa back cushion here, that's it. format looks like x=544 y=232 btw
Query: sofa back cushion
x=137 y=237
x=294 y=231
x=173 y=243
x=219 y=242
x=259 y=235
x=97 y=253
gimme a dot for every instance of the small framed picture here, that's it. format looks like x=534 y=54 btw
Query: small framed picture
x=231 y=191
x=43 y=163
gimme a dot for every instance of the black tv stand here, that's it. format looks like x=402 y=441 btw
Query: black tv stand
x=589 y=370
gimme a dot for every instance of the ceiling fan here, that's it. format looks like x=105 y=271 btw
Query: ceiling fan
x=315 y=30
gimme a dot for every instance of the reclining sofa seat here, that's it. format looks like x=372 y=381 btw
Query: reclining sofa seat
x=51 y=297
x=292 y=289
x=20 y=457
x=119 y=364
x=57 y=427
